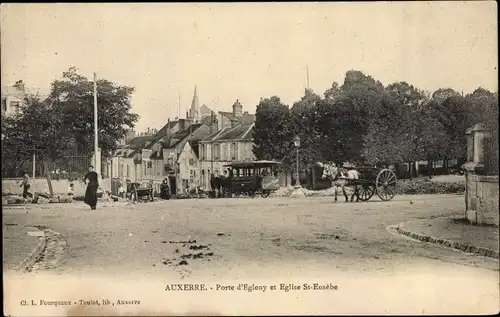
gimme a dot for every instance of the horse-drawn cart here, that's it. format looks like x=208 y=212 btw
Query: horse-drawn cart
x=137 y=192
x=375 y=180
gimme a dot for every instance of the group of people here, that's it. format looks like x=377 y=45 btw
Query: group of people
x=219 y=184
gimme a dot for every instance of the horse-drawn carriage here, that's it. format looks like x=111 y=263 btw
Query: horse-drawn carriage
x=252 y=178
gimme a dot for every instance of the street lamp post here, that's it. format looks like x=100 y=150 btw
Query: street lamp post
x=296 y=142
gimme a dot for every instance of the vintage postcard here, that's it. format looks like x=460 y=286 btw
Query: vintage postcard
x=250 y=158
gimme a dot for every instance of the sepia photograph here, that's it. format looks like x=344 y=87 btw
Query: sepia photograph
x=250 y=158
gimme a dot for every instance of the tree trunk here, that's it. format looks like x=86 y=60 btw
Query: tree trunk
x=429 y=166
x=410 y=170
x=445 y=166
x=314 y=177
x=49 y=181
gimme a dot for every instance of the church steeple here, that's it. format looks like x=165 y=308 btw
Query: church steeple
x=194 y=111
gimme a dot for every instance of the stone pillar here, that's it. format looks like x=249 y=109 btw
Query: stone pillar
x=480 y=132
x=481 y=193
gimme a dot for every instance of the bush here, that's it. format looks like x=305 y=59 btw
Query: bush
x=426 y=187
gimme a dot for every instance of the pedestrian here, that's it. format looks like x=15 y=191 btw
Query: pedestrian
x=25 y=185
x=92 y=184
x=71 y=189
x=165 y=190
x=213 y=185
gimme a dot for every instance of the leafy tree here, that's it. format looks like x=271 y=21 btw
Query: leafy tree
x=73 y=96
x=273 y=131
x=386 y=141
x=442 y=94
x=357 y=103
x=333 y=92
x=303 y=116
x=34 y=130
x=456 y=117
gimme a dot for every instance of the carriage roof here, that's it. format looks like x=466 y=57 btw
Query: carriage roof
x=252 y=164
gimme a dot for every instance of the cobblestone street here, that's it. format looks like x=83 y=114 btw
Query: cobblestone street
x=262 y=239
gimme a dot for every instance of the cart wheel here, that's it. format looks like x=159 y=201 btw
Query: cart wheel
x=265 y=193
x=365 y=191
x=386 y=184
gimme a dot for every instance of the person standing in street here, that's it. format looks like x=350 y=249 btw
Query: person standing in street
x=25 y=185
x=92 y=184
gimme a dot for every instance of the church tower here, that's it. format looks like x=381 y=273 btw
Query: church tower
x=194 y=111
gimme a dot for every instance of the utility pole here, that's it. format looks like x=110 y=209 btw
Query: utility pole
x=179 y=105
x=96 y=144
x=307 y=74
x=33 y=186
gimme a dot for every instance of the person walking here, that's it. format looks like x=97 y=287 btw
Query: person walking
x=25 y=185
x=92 y=184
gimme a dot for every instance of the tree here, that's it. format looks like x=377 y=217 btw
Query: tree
x=357 y=103
x=455 y=117
x=442 y=94
x=303 y=116
x=386 y=140
x=73 y=96
x=34 y=130
x=273 y=131
x=333 y=92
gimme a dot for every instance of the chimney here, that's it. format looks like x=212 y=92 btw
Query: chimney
x=237 y=109
x=214 y=124
x=20 y=85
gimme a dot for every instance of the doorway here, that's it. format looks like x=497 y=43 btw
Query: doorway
x=173 y=185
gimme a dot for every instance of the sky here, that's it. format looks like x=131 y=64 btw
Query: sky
x=247 y=51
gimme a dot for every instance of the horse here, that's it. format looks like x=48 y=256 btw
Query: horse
x=340 y=177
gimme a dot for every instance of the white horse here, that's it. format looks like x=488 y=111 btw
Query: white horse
x=340 y=177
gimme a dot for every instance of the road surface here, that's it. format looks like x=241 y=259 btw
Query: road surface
x=346 y=248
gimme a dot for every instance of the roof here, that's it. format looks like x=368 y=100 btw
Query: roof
x=242 y=131
x=162 y=133
x=246 y=117
x=252 y=164
x=138 y=142
x=194 y=146
x=157 y=155
x=175 y=139
x=14 y=91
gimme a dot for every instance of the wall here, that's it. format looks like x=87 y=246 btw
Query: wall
x=9 y=109
x=188 y=165
x=482 y=199
x=11 y=186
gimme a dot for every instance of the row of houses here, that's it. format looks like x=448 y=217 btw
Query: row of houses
x=185 y=151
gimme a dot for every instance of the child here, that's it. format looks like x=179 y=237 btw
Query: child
x=121 y=191
x=71 y=189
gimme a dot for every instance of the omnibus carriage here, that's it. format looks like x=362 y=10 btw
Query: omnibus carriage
x=253 y=177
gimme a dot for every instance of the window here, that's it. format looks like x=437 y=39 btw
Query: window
x=15 y=106
x=233 y=151
x=128 y=171
x=150 y=164
x=216 y=151
x=201 y=150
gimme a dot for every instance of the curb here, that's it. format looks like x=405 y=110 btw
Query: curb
x=30 y=260
x=467 y=248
